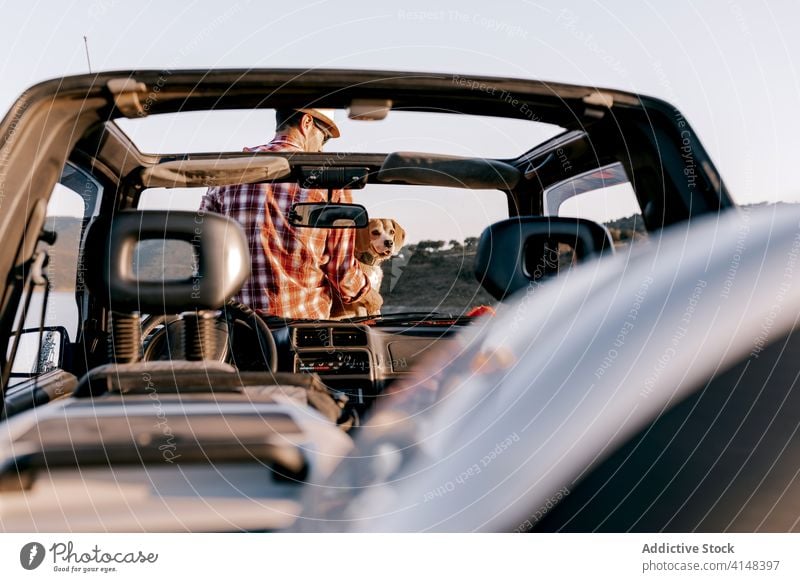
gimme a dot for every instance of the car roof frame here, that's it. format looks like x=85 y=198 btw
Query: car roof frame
x=39 y=133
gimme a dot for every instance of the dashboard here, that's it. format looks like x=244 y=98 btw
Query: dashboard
x=361 y=360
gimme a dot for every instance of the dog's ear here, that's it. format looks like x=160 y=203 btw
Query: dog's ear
x=362 y=239
x=399 y=236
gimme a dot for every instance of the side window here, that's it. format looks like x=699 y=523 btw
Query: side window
x=605 y=196
x=74 y=200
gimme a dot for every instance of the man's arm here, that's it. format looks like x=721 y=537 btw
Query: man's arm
x=210 y=201
x=343 y=270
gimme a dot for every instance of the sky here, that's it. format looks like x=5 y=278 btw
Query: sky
x=730 y=66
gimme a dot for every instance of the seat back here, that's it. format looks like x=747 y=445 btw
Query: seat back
x=217 y=266
x=515 y=252
x=221 y=261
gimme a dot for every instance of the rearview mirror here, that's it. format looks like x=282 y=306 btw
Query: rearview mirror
x=324 y=215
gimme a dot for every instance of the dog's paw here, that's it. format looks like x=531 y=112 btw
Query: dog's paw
x=373 y=302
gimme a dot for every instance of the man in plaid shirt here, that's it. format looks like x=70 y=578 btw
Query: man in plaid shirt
x=296 y=272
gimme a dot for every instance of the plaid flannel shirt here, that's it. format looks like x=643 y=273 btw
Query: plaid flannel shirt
x=294 y=270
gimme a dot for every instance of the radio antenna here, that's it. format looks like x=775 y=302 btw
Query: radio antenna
x=86 y=45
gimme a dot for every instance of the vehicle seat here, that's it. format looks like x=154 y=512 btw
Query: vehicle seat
x=522 y=250
x=220 y=263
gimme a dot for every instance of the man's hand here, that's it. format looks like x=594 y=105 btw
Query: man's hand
x=373 y=302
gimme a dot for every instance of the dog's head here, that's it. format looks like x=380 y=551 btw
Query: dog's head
x=381 y=238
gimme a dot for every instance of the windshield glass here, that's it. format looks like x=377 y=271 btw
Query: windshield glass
x=432 y=271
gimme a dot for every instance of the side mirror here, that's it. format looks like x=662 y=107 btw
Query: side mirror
x=324 y=215
x=30 y=360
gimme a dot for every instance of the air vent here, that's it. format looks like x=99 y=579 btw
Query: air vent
x=349 y=337
x=311 y=337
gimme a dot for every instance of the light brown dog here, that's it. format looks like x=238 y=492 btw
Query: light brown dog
x=380 y=240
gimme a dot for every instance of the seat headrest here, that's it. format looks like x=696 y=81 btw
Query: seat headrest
x=515 y=252
x=220 y=261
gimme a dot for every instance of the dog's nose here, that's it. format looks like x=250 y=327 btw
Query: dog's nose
x=389 y=243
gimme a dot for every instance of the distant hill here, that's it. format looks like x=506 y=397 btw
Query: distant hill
x=626 y=229
x=439 y=278
x=442 y=281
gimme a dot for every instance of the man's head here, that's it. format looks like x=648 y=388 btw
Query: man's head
x=311 y=127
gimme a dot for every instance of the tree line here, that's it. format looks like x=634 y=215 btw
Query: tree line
x=621 y=229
